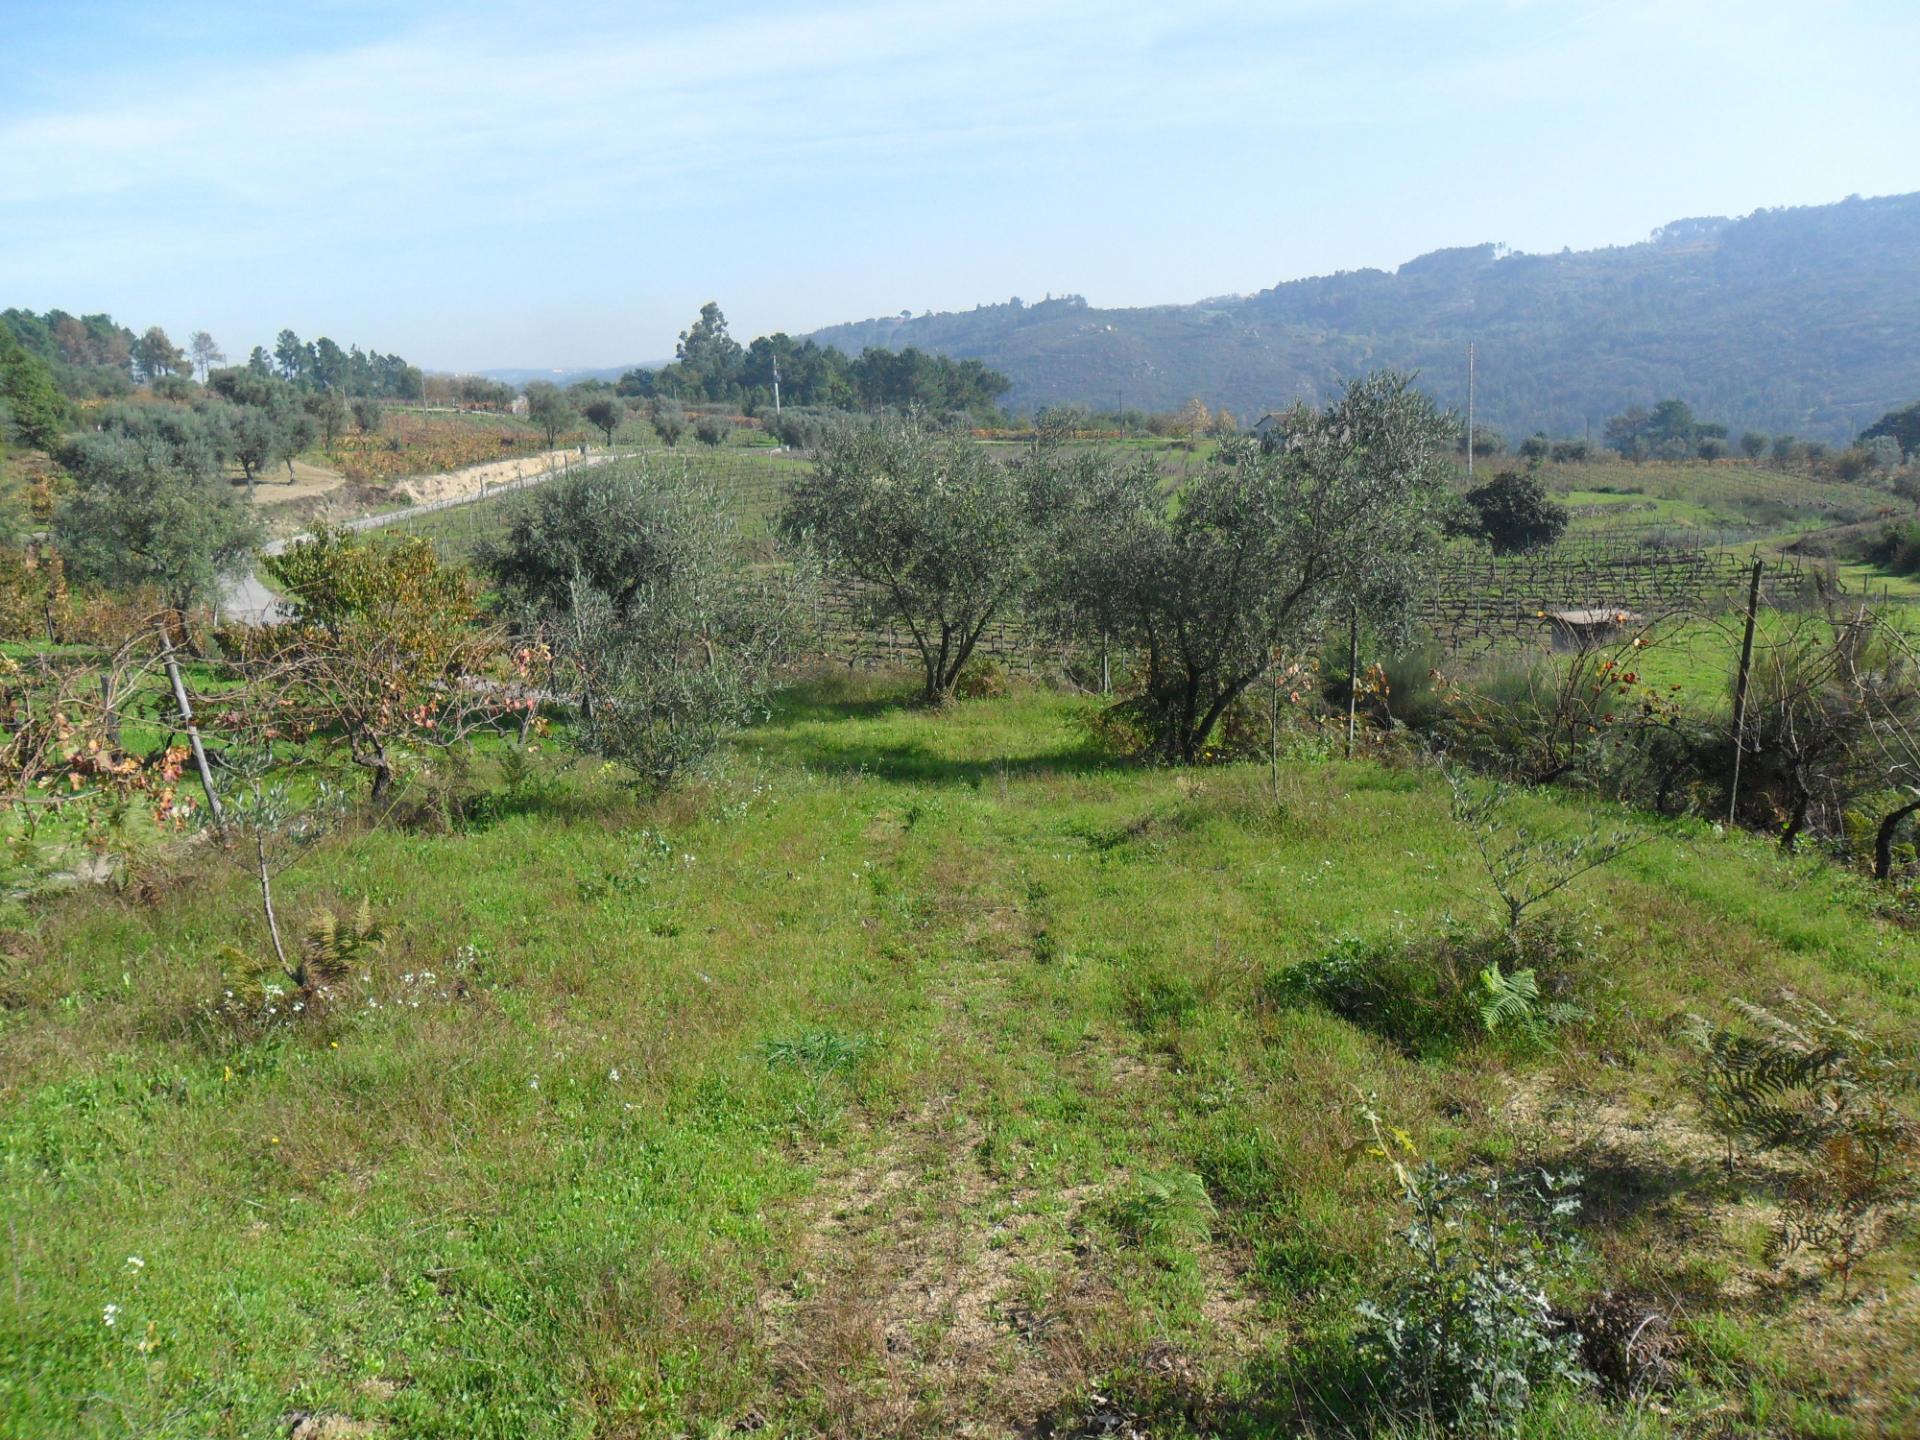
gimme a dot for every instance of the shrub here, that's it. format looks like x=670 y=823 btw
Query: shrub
x=1896 y=548
x=1513 y=514
x=1463 y=1333
x=984 y=680
x=1591 y=720
x=1404 y=688
x=1431 y=997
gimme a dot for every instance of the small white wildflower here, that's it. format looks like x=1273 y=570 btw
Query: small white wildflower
x=135 y=1264
x=534 y=1083
x=614 y=1074
x=110 y=1315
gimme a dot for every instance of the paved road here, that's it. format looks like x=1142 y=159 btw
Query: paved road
x=247 y=599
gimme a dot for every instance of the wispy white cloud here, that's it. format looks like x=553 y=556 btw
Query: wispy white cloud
x=398 y=161
x=511 y=109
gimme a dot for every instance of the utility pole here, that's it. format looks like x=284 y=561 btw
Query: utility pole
x=1469 y=412
x=776 y=386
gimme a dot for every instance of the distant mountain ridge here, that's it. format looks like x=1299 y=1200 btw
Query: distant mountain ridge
x=1803 y=320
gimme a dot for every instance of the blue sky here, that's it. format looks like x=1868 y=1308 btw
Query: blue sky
x=492 y=185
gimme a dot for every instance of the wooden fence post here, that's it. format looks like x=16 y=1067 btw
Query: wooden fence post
x=1740 y=690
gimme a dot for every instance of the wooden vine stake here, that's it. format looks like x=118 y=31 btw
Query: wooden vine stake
x=193 y=730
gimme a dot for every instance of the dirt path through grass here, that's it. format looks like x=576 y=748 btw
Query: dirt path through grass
x=960 y=1268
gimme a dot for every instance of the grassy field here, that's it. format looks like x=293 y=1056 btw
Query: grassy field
x=1721 y=499
x=924 y=1076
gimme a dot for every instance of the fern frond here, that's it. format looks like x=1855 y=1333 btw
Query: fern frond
x=1512 y=1000
x=329 y=946
x=242 y=972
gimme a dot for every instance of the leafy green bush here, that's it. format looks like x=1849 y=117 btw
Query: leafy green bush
x=1463 y=1333
x=1429 y=998
x=1394 y=989
x=1514 y=515
x=1896 y=548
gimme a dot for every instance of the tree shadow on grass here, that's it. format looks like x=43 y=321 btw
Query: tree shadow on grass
x=812 y=726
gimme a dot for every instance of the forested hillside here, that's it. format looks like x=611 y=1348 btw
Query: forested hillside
x=1793 y=320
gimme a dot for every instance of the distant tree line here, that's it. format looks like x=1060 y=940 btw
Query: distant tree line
x=323 y=365
x=711 y=366
x=1671 y=431
x=94 y=357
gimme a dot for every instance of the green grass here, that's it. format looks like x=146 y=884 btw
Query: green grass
x=922 y=1076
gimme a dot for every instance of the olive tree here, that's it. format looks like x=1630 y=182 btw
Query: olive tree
x=1086 y=507
x=328 y=410
x=617 y=528
x=549 y=408
x=669 y=422
x=605 y=414
x=931 y=529
x=1271 y=546
x=663 y=638
x=143 y=512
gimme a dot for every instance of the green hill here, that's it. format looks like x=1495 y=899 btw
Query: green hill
x=1796 y=321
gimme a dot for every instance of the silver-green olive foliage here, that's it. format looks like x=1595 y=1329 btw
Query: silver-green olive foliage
x=549 y=408
x=1273 y=546
x=932 y=530
x=147 y=511
x=665 y=637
